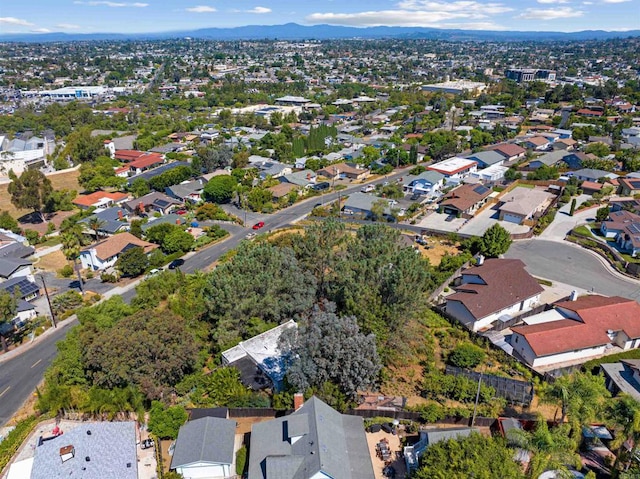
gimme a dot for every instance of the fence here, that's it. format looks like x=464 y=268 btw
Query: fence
x=514 y=391
x=501 y=325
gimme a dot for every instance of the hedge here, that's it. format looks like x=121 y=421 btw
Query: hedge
x=14 y=439
x=594 y=364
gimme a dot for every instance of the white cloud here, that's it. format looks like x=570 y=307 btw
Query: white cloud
x=40 y=30
x=15 y=21
x=67 y=26
x=201 y=9
x=259 y=10
x=455 y=6
x=111 y=4
x=550 y=14
x=398 y=18
x=553 y=1
x=615 y=1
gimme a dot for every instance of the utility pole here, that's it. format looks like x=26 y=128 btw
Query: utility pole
x=46 y=293
x=475 y=406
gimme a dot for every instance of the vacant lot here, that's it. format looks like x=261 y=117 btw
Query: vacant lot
x=67 y=180
x=52 y=262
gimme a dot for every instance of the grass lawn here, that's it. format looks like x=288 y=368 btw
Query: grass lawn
x=52 y=262
x=59 y=181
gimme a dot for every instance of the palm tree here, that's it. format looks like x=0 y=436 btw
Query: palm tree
x=624 y=413
x=73 y=239
x=552 y=449
x=94 y=223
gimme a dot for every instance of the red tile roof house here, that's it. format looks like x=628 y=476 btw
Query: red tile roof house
x=589 y=327
x=510 y=151
x=99 y=199
x=498 y=288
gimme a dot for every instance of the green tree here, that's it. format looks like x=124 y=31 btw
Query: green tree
x=326 y=347
x=157 y=233
x=132 y=262
x=573 y=207
x=214 y=157
x=139 y=187
x=30 y=190
x=475 y=456
x=624 y=413
x=219 y=189
x=94 y=223
x=60 y=200
x=177 y=241
x=165 y=422
x=8 y=222
x=466 y=355
x=8 y=307
x=602 y=214
x=73 y=239
x=495 y=241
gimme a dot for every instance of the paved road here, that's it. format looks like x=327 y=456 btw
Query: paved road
x=572 y=265
x=20 y=375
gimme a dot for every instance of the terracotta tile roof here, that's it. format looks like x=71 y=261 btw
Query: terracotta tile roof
x=128 y=155
x=508 y=149
x=93 y=198
x=591 y=185
x=537 y=140
x=598 y=315
x=146 y=160
x=116 y=244
x=507 y=283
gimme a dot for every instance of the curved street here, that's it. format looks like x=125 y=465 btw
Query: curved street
x=572 y=265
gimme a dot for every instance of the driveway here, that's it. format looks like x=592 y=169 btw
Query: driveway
x=486 y=219
x=572 y=265
x=563 y=223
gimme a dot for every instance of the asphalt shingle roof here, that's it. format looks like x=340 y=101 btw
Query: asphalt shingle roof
x=209 y=439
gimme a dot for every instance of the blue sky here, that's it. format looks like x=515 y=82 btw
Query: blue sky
x=139 y=16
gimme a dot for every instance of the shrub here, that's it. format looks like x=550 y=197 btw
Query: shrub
x=241 y=460
x=108 y=278
x=466 y=355
x=66 y=271
x=9 y=446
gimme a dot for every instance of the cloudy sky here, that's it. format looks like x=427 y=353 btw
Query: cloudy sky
x=84 y=16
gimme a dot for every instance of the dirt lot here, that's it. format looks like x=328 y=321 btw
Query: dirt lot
x=52 y=262
x=67 y=180
x=438 y=247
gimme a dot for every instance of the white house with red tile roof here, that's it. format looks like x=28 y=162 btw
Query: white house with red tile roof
x=590 y=326
x=100 y=199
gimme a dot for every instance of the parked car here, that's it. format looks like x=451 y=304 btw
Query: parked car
x=176 y=263
x=367 y=188
x=153 y=272
x=250 y=236
x=321 y=186
x=146 y=444
x=258 y=225
x=181 y=212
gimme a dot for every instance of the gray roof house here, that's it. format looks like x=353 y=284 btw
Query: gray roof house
x=99 y=450
x=314 y=441
x=13 y=267
x=189 y=190
x=205 y=448
x=548 y=159
x=623 y=377
x=16 y=250
x=487 y=158
x=113 y=220
x=589 y=174
x=304 y=178
x=361 y=204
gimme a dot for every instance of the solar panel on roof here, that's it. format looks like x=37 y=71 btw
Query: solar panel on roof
x=481 y=190
x=634 y=228
x=26 y=287
x=161 y=203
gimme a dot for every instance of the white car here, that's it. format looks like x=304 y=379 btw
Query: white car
x=367 y=189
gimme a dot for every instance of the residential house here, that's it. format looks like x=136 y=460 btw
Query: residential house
x=590 y=174
x=362 y=204
x=490 y=174
x=629 y=186
x=104 y=254
x=14 y=249
x=19 y=155
x=536 y=143
x=187 y=191
x=259 y=359
x=152 y=202
x=344 y=170
x=617 y=221
x=548 y=159
x=171 y=218
x=494 y=290
x=100 y=199
x=589 y=113
x=623 y=377
x=522 y=204
x=94 y=450
x=315 y=441
x=574 y=159
x=144 y=163
x=24 y=286
x=464 y=200
x=303 y=179
x=583 y=328
x=487 y=158
x=564 y=144
x=455 y=168
x=510 y=151
x=127 y=156
x=111 y=221
x=282 y=189
x=11 y=267
x=591 y=187
x=25 y=312
x=427 y=183
x=205 y=449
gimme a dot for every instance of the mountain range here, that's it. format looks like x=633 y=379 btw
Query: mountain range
x=294 y=31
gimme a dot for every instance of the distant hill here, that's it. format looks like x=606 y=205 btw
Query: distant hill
x=293 y=31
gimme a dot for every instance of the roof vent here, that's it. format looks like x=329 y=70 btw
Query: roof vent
x=88 y=432
x=128 y=464
x=88 y=459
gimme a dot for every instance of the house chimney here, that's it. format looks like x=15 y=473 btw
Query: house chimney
x=120 y=216
x=480 y=260
x=298 y=401
x=573 y=296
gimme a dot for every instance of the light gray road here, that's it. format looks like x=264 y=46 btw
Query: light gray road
x=20 y=375
x=572 y=265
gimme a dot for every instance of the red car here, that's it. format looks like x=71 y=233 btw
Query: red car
x=258 y=225
x=181 y=212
